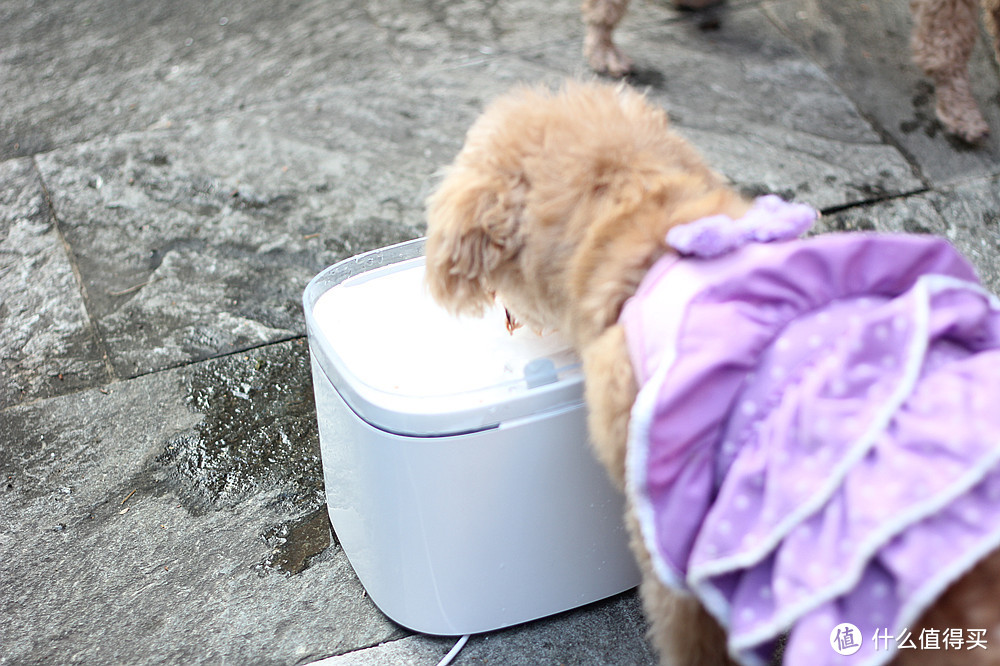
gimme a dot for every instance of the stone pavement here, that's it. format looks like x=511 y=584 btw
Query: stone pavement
x=173 y=174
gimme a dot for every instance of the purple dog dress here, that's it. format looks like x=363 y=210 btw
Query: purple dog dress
x=816 y=438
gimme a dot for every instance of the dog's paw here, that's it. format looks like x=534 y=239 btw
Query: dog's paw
x=970 y=128
x=958 y=112
x=604 y=57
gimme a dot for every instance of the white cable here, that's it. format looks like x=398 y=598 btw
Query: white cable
x=454 y=651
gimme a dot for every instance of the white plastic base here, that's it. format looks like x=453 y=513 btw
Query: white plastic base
x=469 y=533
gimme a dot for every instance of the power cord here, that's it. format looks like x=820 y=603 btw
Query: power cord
x=454 y=651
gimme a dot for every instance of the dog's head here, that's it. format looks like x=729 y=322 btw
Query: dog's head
x=559 y=201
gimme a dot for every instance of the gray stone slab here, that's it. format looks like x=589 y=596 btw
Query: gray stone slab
x=972 y=212
x=197 y=238
x=763 y=113
x=414 y=650
x=244 y=57
x=607 y=633
x=139 y=523
x=756 y=105
x=187 y=250
x=48 y=346
x=397 y=132
x=199 y=241
x=965 y=213
x=864 y=47
x=73 y=72
x=204 y=159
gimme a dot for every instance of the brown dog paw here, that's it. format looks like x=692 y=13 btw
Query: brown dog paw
x=603 y=56
x=958 y=112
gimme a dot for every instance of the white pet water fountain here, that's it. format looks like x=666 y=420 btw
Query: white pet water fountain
x=458 y=474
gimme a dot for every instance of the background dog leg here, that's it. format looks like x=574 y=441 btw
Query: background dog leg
x=991 y=14
x=601 y=17
x=944 y=34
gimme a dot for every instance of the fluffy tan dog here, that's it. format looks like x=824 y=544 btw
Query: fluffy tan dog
x=944 y=34
x=558 y=204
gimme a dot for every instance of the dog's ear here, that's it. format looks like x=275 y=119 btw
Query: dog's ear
x=473 y=228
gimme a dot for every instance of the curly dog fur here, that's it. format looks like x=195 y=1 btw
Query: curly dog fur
x=558 y=204
x=943 y=37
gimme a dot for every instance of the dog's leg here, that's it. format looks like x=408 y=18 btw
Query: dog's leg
x=610 y=392
x=680 y=629
x=969 y=604
x=943 y=37
x=600 y=18
x=991 y=14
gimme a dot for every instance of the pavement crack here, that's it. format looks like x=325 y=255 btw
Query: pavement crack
x=81 y=284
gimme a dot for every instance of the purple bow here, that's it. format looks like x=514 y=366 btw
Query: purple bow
x=769 y=219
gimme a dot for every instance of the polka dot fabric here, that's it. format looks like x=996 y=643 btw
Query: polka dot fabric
x=815 y=441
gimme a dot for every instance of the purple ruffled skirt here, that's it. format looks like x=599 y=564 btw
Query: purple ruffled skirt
x=817 y=436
